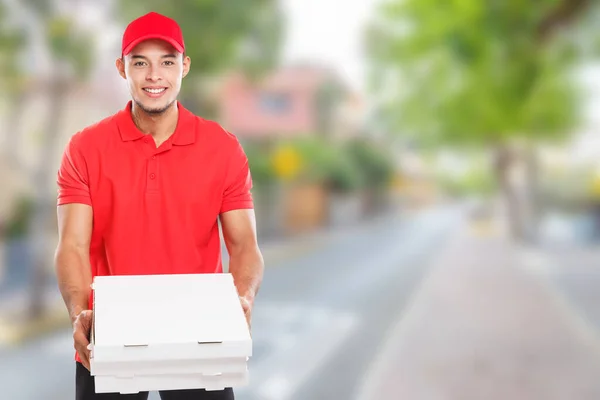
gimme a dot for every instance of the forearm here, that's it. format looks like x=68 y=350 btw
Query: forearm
x=74 y=278
x=246 y=265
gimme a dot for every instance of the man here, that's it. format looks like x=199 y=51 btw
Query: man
x=141 y=192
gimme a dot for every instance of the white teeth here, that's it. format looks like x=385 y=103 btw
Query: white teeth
x=155 y=91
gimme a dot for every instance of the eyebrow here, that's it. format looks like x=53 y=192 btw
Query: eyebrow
x=138 y=56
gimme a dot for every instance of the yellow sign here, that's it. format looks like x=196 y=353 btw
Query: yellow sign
x=596 y=187
x=286 y=162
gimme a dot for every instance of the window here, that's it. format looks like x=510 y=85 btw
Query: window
x=274 y=102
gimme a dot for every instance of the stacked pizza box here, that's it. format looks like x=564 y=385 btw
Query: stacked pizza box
x=168 y=332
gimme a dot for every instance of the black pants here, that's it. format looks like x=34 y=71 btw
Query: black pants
x=85 y=390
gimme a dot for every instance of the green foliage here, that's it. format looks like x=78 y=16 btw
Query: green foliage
x=12 y=41
x=345 y=167
x=18 y=223
x=376 y=166
x=259 y=161
x=470 y=72
x=342 y=167
x=68 y=45
x=476 y=182
x=260 y=49
x=317 y=158
x=344 y=173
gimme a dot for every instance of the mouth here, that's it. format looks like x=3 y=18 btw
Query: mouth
x=155 y=90
x=155 y=93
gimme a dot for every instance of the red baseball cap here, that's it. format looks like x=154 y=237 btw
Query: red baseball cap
x=152 y=26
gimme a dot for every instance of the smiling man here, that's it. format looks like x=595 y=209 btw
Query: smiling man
x=142 y=191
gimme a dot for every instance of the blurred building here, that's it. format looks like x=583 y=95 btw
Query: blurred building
x=289 y=102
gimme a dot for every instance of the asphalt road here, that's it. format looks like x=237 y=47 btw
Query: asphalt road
x=318 y=321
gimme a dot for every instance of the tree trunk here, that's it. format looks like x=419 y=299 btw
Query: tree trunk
x=533 y=197
x=14 y=134
x=42 y=180
x=563 y=13
x=504 y=159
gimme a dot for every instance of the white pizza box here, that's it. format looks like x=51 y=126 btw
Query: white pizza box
x=110 y=384
x=169 y=367
x=168 y=328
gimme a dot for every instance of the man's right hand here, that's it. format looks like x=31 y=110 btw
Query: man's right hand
x=81 y=336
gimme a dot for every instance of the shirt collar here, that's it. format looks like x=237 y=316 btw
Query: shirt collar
x=185 y=131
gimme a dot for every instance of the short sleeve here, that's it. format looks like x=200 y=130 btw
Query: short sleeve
x=238 y=182
x=72 y=179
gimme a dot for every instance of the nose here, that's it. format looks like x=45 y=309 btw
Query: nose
x=153 y=74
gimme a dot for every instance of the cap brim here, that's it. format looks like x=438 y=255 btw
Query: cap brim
x=141 y=39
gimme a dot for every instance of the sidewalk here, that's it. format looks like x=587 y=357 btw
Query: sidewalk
x=481 y=327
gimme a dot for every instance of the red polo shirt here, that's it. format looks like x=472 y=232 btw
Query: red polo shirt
x=155 y=209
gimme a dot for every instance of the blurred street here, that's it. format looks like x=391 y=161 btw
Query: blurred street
x=420 y=305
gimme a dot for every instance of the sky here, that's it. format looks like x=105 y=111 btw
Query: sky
x=328 y=31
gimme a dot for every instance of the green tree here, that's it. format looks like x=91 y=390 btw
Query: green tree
x=219 y=34
x=471 y=73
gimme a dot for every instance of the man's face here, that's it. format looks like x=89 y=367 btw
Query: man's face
x=154 y=70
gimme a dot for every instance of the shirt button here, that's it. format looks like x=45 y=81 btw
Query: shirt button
x=154 y=157
x=152 y=176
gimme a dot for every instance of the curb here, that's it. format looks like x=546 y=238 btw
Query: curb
x=277 y=253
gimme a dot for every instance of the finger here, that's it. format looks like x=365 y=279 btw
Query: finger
x=81 y=349
x=81 y=338
x=86 y=364
x=84 y=355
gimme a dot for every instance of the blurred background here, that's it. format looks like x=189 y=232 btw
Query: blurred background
x=426 y=178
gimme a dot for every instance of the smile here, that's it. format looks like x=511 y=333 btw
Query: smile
x=155 y=91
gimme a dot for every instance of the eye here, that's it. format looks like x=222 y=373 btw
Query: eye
x=169 y=63
x=139 y=64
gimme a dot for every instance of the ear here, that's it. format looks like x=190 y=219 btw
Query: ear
x=187 y=63
x=120 y=64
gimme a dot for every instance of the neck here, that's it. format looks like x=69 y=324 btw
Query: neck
x=159 y=126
